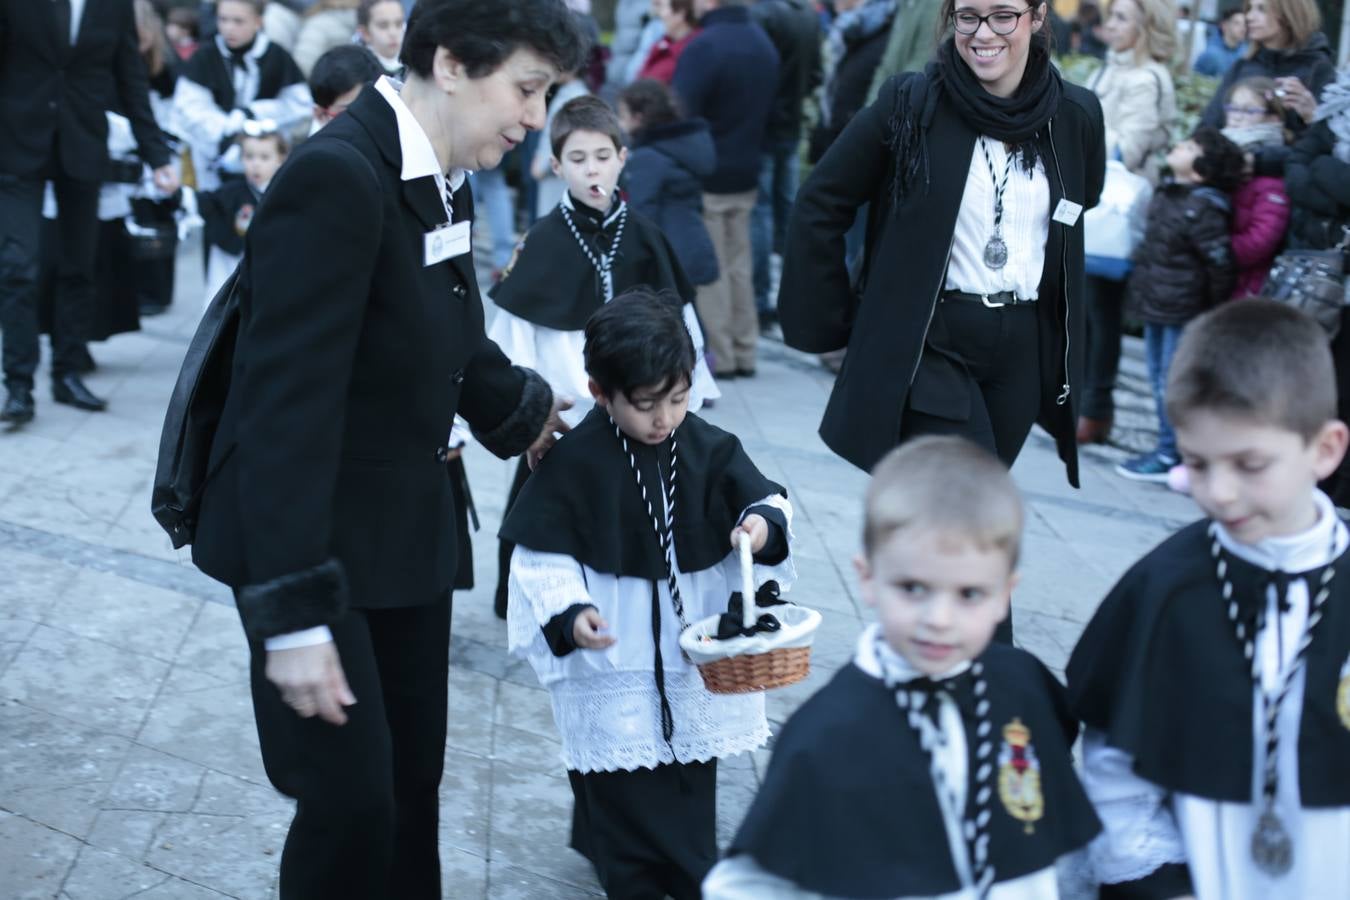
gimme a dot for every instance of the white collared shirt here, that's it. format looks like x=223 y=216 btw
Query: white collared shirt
x=419 y=156
x=1025 y=226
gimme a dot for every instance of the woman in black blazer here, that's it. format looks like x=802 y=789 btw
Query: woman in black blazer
x=331 y=510
x=967 y=315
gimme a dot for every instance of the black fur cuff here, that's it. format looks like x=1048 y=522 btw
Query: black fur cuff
x=294 y=601
x=521 y=428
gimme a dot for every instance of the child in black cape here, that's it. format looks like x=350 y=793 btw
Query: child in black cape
x=1214 y=679
x=938 y=763
x=228 y=210
x=589 y=249
x=624 y=535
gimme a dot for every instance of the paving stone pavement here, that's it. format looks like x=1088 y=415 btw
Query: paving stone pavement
x=128 y=758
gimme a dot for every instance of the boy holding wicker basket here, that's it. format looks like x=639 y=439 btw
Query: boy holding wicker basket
x=625 y=534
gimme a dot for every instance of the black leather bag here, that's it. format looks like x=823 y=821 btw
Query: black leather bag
x=1314 y=282
x=194 y=412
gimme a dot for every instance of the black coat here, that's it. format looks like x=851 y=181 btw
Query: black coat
x=353 y=359
x=1184 y=265
x=663 y=178
x=885 y=329
x=863 y=49
x=728 y=76
x=51 y=90
x=1318 y=185
x=794 y=28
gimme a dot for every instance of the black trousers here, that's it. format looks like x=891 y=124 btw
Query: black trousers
x=72 y=313
x=650 y=833
x=986 y=361
x=367 y=806
x=1105 y=317
x=506 y=548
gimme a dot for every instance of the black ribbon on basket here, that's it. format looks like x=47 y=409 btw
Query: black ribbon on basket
x=729 y=624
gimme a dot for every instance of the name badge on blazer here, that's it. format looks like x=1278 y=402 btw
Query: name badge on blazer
x=1067 y=212
x=445 y=242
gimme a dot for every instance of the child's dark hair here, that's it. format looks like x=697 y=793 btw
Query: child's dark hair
x=186 y=19
x=1258 y=360
x=270 y=134
x=588 y=113
x=650 y=102
x=639 y=340
x=1220 y=162
x=256 y=5
x=481 y=34
x=341 y=69
x=363 y=10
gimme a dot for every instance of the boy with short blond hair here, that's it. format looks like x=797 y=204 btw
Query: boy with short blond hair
x=938 y=763
x=1214 y=679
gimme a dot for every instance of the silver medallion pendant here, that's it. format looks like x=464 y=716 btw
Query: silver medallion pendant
x=996 y=253
x=1272 y=850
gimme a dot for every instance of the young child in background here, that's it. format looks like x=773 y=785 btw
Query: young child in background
x=938 y=763
x=624 y=534
x=229 y=209
x=1214 y=679
x=1254 y=120
x=589 y=248
x=337 y=79
x=242 y=76
x=1183 y=266
x=380 y=26
x=549 y=185
x=668 y=159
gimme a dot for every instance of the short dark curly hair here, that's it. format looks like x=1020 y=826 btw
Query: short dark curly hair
x=1220 y=163
x=639 y=340
x=481 y=34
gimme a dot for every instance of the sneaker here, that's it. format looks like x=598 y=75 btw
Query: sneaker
x=1179 y=479
x=1149 y=467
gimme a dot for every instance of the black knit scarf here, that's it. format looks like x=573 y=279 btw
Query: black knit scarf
x=1015 y=120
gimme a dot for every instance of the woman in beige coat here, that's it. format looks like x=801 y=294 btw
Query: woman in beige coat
x=1139 y=107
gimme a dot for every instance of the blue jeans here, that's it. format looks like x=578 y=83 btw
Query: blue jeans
x=1160 y=345
x=768 y=223
x=491 y=194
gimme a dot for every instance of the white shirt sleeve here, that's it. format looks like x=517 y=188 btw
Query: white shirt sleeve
x=541 y=586
x=199 y=119
x=741 y=878
x=1139 y=830
x=306 y=637
x=294 y=104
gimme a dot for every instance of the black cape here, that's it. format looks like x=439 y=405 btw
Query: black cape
x=552 y=284
x=583 y=501
x=220 y=210
x=1160 y=672
x=848 y=807
x=276 y=72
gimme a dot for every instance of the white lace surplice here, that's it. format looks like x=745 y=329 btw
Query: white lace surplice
x=605 y=702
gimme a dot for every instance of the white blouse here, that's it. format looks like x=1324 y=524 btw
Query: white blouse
x=1026 y=224
x=605 y=702
x=1145 y=826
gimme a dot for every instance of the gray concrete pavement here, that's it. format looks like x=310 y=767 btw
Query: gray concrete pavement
x=128 y=759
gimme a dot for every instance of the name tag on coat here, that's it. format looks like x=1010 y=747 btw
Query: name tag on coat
x=1067 y=212
x=441 y=244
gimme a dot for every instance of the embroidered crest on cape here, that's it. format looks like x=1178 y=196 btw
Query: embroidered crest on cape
x=1019 y=775
x=1343 y=694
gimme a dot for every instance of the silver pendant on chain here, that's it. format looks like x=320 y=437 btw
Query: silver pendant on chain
x=996 y=253
x=1272 y=849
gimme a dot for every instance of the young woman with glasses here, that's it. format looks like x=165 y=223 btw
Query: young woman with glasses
x=967 y=315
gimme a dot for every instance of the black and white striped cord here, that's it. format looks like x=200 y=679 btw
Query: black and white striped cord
x=604 y=265
x=665 y=529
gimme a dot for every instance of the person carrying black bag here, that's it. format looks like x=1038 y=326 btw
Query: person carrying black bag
x=328 y=506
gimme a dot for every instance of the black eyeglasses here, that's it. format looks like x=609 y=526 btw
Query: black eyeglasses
x=1000 y=22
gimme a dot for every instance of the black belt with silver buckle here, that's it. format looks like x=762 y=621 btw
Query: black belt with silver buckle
x=993 y=301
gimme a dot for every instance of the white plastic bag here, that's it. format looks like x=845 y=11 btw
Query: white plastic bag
x=1115 y=226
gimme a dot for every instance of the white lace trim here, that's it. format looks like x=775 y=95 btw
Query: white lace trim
x=612 y=722
x=1139 y=830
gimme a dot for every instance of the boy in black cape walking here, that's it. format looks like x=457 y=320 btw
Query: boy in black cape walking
x=937 y=763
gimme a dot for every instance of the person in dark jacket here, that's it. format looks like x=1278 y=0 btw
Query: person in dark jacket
x=1183 y=266
x=853 y=49
x=1284 y=44
x=667 y=159
x=728 y=76
x=940 y=274
x=1317 y=180
x=794 y=29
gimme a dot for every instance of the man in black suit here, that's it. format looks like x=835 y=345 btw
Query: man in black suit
x=63 y=65
x=330 y=511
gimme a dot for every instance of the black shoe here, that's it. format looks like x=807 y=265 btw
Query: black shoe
x=19 y=406
x=745 y=373
x=69 y=389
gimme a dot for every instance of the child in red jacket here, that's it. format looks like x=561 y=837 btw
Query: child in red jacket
x=1254 y=119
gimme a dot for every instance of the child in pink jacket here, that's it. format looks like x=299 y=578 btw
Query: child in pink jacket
x=1255 y=117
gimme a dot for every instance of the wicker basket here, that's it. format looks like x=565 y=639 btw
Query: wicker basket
x=741 y=665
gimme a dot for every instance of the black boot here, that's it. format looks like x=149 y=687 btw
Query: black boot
x=69 y=389
x=19 y=406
